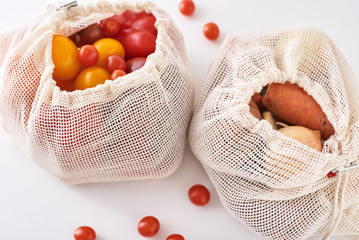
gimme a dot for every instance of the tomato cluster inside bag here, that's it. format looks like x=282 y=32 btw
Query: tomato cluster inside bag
x=130 y=128
x=292 y=173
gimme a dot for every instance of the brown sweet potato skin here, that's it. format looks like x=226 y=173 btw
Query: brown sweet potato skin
x=253 y=109
x=294 y=105
x=257 y=98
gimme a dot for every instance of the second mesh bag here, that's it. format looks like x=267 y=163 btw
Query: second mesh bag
x=274 y=184
x=133 y=127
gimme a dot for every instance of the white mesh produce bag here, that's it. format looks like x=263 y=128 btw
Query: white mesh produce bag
x=131 y=128
x=273 y=184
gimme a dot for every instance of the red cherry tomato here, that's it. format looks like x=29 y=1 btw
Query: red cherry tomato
x=146 y=22
x=68 y=86
x=211 y=31
x=84 y=233
x=199 y=195
x=135 y=64
x=186 y=7
x=111 y=26
x=126 y=18
x=88 y=55
x=91 y=34
x=148 y=226
x=175 y=237
x=76 y=37
x=117 y=73
x=137 y=43
x=114 y=62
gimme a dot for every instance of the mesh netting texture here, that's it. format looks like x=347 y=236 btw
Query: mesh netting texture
x=132 y=128
x=272 y=183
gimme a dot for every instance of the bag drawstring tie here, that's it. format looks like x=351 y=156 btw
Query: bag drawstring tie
x=338 y=197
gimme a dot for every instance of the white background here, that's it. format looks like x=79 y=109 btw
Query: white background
x=33 y=206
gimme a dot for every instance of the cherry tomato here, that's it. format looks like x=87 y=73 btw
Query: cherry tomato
x=91 y=77
x=135 y=64
x=107 y=47
x=64 y=56
x=148 y=226
x=199 y=195
x=88 y=55
x=84 y=233
x=111 y=26
x=76 y=38
x=211 y=31
x=175 y=237
x=146 y=22
x=91 y=34
x=117 y=73
x=127 y=17
x=187 y=7
x=137 y=43
x=114 y=62
x=68 y=86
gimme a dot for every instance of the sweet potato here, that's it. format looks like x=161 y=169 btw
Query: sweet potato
x=292 y=104
x=253 y=109
x=257 y=98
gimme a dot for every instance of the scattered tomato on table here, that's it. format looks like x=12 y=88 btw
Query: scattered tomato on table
x=175 y=237
x=199 y=195
x=84 y=233
x=211 y=31
x=148 y=226
x=186 y=7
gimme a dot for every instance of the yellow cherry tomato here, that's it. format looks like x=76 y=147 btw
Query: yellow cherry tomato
x=91 y=77
x=107 y=47
x=64 y=56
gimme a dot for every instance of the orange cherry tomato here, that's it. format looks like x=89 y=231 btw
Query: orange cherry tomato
x=91 y=77
x=64 y=56
x=107 y=47
x=211 y=31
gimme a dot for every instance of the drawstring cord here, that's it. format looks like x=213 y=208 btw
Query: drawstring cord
x=337 y=210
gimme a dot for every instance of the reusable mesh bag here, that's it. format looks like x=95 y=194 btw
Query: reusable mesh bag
x=275 y=185
x=131 y=128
